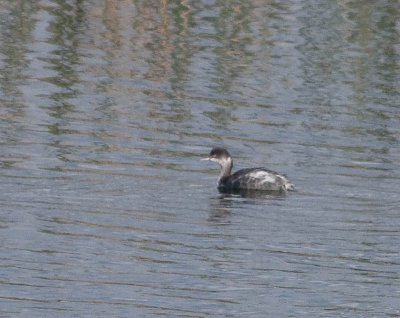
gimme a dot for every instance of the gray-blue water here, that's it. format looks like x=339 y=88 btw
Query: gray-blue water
x=106 y=108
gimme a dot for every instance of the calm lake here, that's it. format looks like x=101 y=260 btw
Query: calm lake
x=107 y=107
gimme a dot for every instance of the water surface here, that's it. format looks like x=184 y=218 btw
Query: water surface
x=106 y=108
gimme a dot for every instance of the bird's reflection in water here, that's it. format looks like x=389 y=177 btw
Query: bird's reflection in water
x=255 y=194
x=221 y=206
x=220 y=210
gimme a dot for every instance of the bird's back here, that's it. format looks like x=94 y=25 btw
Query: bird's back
x=256 y=179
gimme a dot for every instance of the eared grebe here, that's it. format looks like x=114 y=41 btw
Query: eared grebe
x=246 y=179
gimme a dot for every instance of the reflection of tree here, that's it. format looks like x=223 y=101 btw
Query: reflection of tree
x=233 y=26
x=370 y=27
x=17 y=24
x=151 y=59
x=163 y=35
x=64 y=33
x=162 y=41
x=40 y=45
x=63 y=59
x=350 y=70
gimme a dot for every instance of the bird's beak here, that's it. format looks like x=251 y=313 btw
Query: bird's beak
x=205 y=159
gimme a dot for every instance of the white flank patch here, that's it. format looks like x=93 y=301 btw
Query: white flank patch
x=263 y=176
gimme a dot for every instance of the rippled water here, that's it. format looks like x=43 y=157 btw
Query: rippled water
x=106 y=108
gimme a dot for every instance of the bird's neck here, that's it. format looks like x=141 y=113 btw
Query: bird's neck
x=226 y=169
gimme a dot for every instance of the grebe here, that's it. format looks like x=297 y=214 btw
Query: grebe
x=246 y=179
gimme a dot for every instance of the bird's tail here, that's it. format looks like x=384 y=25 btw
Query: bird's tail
x=289 y=186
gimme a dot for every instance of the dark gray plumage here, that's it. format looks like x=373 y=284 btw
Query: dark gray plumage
x=246 y=179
